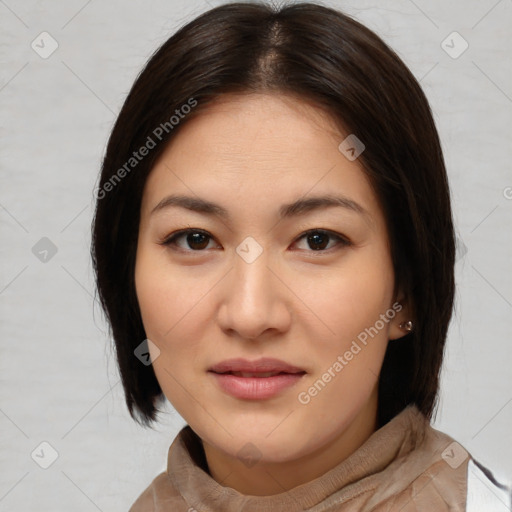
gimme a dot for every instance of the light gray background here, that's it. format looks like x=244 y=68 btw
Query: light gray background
x=59 y=381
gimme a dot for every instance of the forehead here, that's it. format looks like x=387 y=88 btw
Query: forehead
x=255 y=124
x=258 y=146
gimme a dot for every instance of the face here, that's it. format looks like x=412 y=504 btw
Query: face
x=310 y=285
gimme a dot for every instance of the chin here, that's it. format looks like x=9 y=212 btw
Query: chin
x=265 y=443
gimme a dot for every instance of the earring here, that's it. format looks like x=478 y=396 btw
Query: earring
x=406 y=326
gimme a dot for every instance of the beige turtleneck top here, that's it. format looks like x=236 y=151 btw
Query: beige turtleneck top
x=405 y=466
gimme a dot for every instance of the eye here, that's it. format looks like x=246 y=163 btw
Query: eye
x=318 y=239
x=197 y=239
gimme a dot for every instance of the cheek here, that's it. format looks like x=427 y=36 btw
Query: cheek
x=169 y=304
x=172 y=302
x=166 y=296
x=156 y=303
x=355 y=296
x=351 y=306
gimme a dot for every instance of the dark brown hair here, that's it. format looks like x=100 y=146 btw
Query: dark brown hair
x=319 y=55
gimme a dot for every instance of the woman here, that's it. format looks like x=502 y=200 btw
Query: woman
x=274 y=250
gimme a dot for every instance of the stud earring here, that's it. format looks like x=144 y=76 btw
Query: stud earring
x=406 y=326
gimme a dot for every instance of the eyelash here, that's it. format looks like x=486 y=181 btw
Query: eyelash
x=170 y=241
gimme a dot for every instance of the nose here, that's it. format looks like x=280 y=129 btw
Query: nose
x=255 y=301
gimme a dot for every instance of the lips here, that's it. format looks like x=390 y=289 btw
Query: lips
x=255 y=380
x=255 y=374
x=264 y=367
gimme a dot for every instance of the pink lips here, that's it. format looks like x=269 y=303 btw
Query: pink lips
x=255 y=380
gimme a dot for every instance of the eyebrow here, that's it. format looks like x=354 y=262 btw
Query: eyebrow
x=299 y=207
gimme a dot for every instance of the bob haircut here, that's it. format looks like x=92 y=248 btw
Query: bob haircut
x=324 y=57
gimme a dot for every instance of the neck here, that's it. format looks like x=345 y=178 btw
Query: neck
x=270 y=478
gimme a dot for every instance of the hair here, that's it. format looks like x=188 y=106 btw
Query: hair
x=321 y=56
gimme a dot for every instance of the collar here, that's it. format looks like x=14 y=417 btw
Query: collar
x=373 y=464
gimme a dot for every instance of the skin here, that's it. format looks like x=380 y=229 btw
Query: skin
x=251 y=154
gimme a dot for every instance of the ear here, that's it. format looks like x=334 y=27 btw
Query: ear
x=403 y=314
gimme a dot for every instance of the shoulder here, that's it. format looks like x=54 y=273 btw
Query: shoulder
x=484 y=492
x=163 y=493
x=433 y=471
x=159 y=496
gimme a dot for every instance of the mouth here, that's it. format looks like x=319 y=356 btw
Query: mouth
x=259 y=374
x=256 y=380
x=264 y=367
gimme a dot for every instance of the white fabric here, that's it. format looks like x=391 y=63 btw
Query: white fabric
x=484 y=495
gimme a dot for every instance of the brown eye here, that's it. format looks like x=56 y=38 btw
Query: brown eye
x=195 y=240
x=318 y=239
